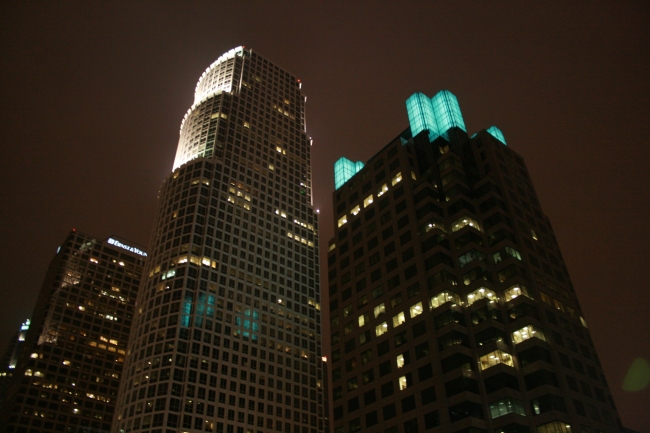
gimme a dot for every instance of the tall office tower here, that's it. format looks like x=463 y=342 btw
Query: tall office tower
x=10 y=358
x=451 y=307
x=67 y=376
x=227 y=335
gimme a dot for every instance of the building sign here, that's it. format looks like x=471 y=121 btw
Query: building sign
x=126 y=247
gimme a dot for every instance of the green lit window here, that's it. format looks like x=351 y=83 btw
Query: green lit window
x=506 y=406
x=471 y=256
x=505 y=253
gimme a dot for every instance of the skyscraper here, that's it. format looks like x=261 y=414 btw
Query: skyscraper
x=227 y=333
x=67 y=373
x=9 y=360
x=451 y=306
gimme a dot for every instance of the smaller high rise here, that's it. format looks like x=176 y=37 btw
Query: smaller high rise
x=67 y=374
x=10 y=358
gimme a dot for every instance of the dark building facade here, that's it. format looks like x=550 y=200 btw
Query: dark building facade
x=10 y=359
x=451 y=307
x=67 y=375
x=227 y=333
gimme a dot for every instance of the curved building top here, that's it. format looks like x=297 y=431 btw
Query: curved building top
x=217 y=77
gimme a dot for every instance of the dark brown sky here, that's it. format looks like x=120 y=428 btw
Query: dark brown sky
x=92 y=95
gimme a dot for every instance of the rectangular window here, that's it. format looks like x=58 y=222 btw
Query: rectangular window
x=368 y=201
x=343 y=220
x=398 y=319
x=363 y=319
x=416 y=310
x=381 y=329
x=403 y=383
x=379 y=310
x=396 y=179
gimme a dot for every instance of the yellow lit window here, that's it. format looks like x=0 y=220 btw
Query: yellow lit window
x=400 y=361
x=515 y=291
x=465 y=221
x=368 y=201
x=533 y=234
x=343 y=220
x=480 y=294
x=332 y=247
x=381 y=329
x=413 y=176
x=558 y=305
x=398 y=319
x=379 y=310
x=433 y=224
x=355 y=210
x=363 y=319
x=493 y=358
x=444 y=297
x=527 y=332
x=416 y=309
x=382 y=190
x=403 y=383
x=396 y=179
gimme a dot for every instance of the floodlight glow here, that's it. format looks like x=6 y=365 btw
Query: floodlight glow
x=436 y=115
x=496 y=133
x=344 y=169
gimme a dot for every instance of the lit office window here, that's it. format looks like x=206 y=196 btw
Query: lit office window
x=494 y=358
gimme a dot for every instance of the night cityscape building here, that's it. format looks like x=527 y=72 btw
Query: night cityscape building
x=226 y=336
x=66 y=375
x=451 y=306
x=10 y=358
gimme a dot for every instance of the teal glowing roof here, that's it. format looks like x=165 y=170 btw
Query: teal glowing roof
x=344 y=169
x=496 y=133
x=436 y=115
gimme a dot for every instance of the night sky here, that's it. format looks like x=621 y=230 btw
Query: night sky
x=92 y=95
